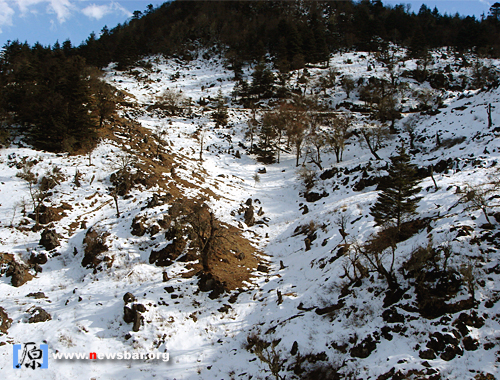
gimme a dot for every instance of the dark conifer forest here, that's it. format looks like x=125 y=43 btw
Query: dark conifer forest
x=54 y=92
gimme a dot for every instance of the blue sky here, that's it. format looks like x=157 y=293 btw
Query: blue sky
x=47 y=21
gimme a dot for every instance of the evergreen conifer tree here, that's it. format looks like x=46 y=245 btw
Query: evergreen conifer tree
x=398 y=201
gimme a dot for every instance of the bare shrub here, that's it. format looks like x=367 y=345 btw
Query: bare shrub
x=267 y=354
x=174 y=103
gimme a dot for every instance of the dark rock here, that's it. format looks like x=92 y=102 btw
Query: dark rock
x=49 y=239
x=386 y=332
x=207 y=283
x=437 y=342
x=154 y=229
x=472 y=319
x=166 y=256
x=140 y=307
x=392 y=316
x=365 y=348
x=248 y=202
x=450 y=352
x=48 y=214
x=307 y=241
x=95 y=245
x=37 y=295
x=20 y=274
x=224 y=308
x=295 y=348
x=262 y=268
x=329 y=173
x=233 y=298
x=262 y=171
x=330 y=309
x=138 y=321
x=133 y=315
x=128 y=314
x=128 y=297
x=38 y=258
x=470 y=344
x=249 y=216
x=314 y=197
x=169 y=289
x=496 y=215
x=165 y=277
x=5 y=321
x=39 y=315
x=138 y=227
x=428 y=354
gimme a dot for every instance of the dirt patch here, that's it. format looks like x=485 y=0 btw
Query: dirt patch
x=234 y=260
x=157 y=166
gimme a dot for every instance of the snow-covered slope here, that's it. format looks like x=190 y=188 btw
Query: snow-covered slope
x=299 y=295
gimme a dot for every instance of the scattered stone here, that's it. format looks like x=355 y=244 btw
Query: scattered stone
x=428 y=354
x=37 y=258
x=365 y=348
x=249 y=216
x=224 y=309
x=138 y=321
x=133 y=315
x=5 y=321
x=314 y=197
x=470 y=344
x=330 y=309
x=165 y=277
x=95 y=246
x=295 y=348
x=450 y=352
x=20 y=274
x=39 y=315
x=166 y=256
x=50 y=214
x=37 y=295
x=392 y=316
x=207 y=283
x=138 y=227
x=50 y=239
x=307 y=241
x=169 y=289
x=233 y=298
x=262 y=268
x=128 y=297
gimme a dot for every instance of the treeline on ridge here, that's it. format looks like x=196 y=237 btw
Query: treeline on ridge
x=291 y=32
x=55 y=95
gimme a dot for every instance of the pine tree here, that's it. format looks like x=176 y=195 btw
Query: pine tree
x=220 y=114
x=398 y=201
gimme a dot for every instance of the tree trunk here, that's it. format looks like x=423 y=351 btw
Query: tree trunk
x=370 y=146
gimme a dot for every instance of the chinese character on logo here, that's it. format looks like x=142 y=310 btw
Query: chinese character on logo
x=32 y=357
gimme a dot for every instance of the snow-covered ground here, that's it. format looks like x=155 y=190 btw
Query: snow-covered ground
x=204 y=342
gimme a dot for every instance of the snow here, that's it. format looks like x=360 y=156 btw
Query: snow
x=87 y=308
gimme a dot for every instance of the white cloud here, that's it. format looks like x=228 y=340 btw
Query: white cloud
x=24 y=5
x=62 y=8
x=99 y=11
x=6 y=14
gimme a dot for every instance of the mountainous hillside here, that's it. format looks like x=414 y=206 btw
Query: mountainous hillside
x=205 y=226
